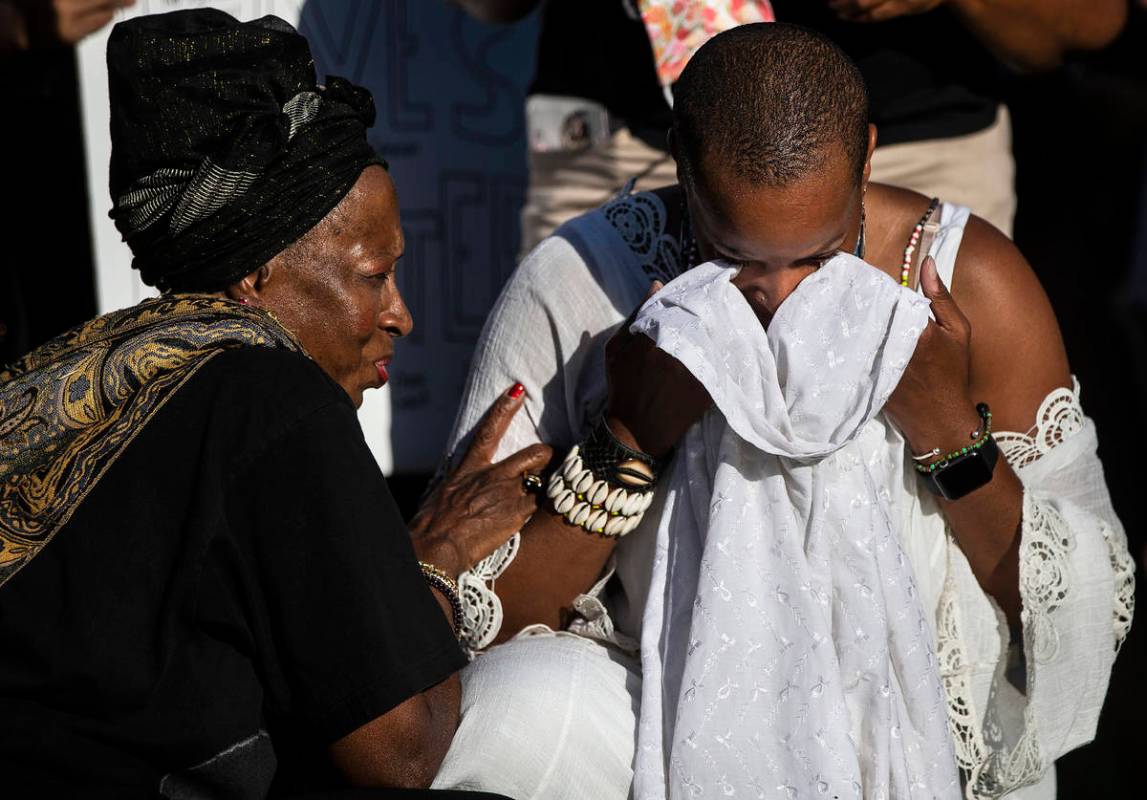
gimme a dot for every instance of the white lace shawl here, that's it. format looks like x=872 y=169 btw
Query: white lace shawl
x=548 y=329
x=784 y=645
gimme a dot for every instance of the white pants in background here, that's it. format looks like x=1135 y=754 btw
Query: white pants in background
x=976 y=170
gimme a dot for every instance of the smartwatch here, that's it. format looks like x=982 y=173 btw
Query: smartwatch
x=965 y=473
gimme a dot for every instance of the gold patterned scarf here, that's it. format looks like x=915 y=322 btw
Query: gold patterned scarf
x=69 y=409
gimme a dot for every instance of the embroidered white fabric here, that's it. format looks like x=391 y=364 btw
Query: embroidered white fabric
x=784 y=649
x=548 y=329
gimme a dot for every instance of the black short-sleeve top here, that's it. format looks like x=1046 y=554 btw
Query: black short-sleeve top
x=238 y=592
x=928 y=77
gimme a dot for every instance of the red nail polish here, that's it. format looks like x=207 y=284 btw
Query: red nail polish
x=517 y=390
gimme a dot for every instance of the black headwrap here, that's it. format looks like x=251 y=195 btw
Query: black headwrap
x=224 y=149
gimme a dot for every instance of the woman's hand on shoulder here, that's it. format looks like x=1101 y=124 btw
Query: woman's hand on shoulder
x=480 y=504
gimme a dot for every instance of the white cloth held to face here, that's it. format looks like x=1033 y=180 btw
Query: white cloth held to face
x=786 y=652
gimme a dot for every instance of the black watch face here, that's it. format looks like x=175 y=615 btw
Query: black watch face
x=964 y=477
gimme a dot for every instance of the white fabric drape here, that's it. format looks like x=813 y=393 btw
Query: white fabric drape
x=784 y=647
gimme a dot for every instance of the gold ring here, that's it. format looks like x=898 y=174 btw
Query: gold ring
x=532 y=482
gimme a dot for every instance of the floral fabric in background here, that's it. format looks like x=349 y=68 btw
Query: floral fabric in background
x=678 y=28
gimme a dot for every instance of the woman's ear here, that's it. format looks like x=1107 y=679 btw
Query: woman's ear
x=249 y=288
x=871 y=150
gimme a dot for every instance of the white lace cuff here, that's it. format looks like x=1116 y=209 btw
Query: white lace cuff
x=481 y=608
x=1074 y=570
x=1060 y=417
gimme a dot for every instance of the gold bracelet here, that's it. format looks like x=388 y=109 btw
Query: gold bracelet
x=448 y=588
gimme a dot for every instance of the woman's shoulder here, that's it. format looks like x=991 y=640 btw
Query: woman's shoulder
x=274 y=384
x=244 y=401
x=1018 y=355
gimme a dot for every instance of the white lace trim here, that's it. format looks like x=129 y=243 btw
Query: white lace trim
x=955 y=674
x=1060 y=416
x=990 y=767
x=640 y=220
x=481 y=607
x=1123 y=565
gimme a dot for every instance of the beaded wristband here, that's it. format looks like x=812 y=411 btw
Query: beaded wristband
x=981 y=436
x=448 y=588
x=595 y=504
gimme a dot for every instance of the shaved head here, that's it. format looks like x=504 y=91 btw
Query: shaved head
x=768 y=104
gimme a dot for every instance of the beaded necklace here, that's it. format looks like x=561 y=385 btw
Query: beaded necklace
x=906 y=264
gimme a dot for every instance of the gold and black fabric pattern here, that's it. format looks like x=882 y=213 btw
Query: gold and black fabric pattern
x=69 y=409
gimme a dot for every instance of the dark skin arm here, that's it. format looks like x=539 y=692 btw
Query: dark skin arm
x=1031 y=35
x=653 y=400
x=468 y=515
x=995 y=340
x=532 y=590
x=498 y=10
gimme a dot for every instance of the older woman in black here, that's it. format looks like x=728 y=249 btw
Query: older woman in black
x=205 y=587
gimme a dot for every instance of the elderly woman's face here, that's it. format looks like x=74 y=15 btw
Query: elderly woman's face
x=777 y=235
x=336 y=289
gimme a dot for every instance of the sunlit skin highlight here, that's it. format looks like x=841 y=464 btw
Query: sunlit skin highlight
x=336 y=288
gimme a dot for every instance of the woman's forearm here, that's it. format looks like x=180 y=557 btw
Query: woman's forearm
x=498 y=10
x=987 y=525
x=404 y=748
x=556 y=562
x=985 y=522
x=1034 y=35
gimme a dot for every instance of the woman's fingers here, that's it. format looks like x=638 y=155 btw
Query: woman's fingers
x=75 y=19
x=948 y=314
x=488 y=435
x=534 y=458
x=513 y=514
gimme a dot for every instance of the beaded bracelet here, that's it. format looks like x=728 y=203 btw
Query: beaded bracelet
x=592 y=503
x=980 y=437
x=448 y=588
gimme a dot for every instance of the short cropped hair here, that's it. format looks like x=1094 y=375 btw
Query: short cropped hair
x=769 y=100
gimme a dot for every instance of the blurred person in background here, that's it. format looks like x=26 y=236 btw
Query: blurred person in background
x=599 y=103
x=45 y=178
x=1081 y=171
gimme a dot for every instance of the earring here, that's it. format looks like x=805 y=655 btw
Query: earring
x=860 y=243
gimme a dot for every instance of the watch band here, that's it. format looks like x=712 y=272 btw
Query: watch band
x=965 y=473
